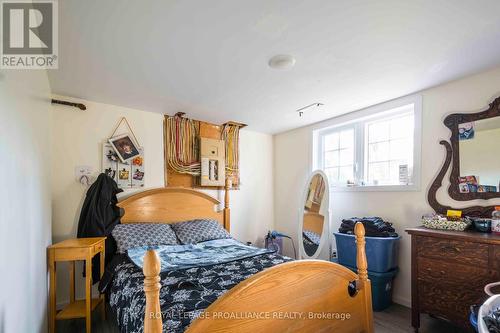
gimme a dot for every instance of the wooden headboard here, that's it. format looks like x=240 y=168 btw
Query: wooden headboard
x=174 y=204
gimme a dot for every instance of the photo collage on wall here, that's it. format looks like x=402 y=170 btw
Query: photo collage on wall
x=128 y=174
x=470 y=184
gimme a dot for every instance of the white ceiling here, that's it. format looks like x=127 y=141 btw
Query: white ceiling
x=209 y=58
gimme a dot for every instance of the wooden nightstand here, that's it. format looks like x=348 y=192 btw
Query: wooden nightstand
x=71 y=250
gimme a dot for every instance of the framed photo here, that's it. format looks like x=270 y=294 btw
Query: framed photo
x=468 y=179
x=466 y=131
x=125 y=147
x=463 y=187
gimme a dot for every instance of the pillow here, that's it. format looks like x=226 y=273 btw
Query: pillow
x=195 y=231
x=132 y=235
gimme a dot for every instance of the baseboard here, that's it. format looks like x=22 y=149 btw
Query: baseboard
x=401 y=300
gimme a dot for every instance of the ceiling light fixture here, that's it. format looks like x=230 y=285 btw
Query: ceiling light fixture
x=282 y=61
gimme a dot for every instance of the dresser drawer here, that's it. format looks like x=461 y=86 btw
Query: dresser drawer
x=439 y=271
x=467 y=253
x=448 y=301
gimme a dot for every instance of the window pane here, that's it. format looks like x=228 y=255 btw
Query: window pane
x=378 y=172
x=331 y=141
x=346 y=157
x=378 y=131
x=331 y=158
x=400 y=149
x=378 y=152
x=390 y=143
x=346 y=173
x=347 y=139
x=401 y=127
x=332 y=174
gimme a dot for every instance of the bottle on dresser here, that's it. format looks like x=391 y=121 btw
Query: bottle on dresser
x=495 y=220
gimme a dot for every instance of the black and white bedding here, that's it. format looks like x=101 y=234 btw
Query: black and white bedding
x=185 y=293
x=311 y=241
x=311 y=237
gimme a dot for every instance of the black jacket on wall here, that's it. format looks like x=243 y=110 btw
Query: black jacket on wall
x=99 y=216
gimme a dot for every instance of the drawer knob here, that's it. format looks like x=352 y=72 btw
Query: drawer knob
x=450 y=248
x=429 y=270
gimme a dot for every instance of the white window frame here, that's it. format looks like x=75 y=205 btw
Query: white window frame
x=321 y=145
x=358 y=119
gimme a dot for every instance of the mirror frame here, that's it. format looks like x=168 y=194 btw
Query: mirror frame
x=453 y=158
x=325 y=236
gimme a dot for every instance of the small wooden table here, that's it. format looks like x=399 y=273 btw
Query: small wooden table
x=72 y=250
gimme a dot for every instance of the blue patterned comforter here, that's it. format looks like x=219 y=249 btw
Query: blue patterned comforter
x=185 y=293
x=174 y=257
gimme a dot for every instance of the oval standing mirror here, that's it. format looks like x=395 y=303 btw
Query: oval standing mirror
x=314 y=216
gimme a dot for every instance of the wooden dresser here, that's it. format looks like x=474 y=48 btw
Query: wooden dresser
x=449 y=272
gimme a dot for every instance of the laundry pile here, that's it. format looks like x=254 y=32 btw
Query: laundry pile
x=374 y=227
x=493 y=321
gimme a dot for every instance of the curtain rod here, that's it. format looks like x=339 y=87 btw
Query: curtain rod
x=232 y=123
x=76 y=105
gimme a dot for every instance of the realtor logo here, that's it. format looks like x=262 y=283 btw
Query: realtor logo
x=29 y=34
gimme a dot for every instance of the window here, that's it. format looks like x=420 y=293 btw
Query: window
x=338 y=155
x=378 y=149
x=389 y=146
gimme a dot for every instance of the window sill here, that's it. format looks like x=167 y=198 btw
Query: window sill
x=381 y=188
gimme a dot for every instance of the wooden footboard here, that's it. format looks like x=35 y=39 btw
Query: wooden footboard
x=298 y=296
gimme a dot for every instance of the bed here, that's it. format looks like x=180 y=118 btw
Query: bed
x=263 y=293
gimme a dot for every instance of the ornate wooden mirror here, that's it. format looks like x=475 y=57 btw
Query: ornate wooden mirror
x=474 y=155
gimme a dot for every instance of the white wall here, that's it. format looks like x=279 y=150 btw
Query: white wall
x=252 y=207
x=25 y=198
x=292 y=160
x=77 y=138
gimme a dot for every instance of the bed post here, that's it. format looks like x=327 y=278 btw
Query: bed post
x=152 y=315
x=361 y=262
x=362 y=266
x=227 y=211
